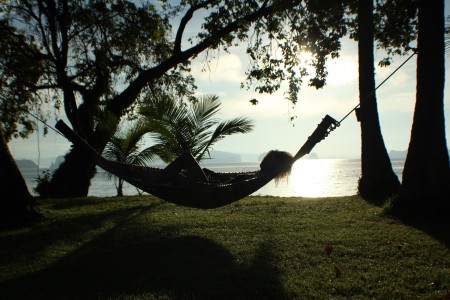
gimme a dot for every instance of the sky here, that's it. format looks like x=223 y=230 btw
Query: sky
x=273 y=128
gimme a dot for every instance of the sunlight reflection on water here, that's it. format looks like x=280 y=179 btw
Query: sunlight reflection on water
x=318 y=178
x=309 y=178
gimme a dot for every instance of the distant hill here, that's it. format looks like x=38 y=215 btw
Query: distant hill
x=57 y=162
x=26 y=164
x=313 y=155
x=261 y=156
x=222 y=157
x=397 y=154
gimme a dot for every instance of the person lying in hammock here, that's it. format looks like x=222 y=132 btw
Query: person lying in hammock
x=278 y=159
x=186 y=165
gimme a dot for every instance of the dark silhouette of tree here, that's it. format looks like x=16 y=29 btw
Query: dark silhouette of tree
x=390 y=25
x=124 y=147
x=20 y=69
x=101 y=57
x=426 y=175
x=378 y=179
x=16 y=200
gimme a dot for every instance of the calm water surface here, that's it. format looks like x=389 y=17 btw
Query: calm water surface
x=309 y=178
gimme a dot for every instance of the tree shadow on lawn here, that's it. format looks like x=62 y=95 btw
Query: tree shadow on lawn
x=121 y=263
x=435 y=225
x=33 y=243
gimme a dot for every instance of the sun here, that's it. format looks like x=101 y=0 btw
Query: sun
x=305 y=57
x=342 y=70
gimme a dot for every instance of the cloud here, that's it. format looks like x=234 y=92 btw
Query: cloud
x=342 y=70
x=224 y=68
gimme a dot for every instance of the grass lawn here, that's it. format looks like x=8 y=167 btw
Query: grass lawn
x=258 y=248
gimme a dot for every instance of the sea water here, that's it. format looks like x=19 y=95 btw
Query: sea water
x=309 y=178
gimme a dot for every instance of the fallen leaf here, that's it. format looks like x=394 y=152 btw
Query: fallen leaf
x=337 y=271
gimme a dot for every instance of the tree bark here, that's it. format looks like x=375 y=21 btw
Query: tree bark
x=120 y=188
x=426 y=175
x=66 y=184
x=73 y=177
x=16 y=200
x=378 y=180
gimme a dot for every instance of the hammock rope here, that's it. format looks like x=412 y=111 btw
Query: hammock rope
x=384 y=81
x=221 y=188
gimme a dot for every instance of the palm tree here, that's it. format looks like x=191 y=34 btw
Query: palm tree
x=378 y=179
x=426 y=174
x=180 y=128
x=124 y=147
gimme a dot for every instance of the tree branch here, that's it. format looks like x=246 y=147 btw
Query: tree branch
x=122 y=101
x=186 y=18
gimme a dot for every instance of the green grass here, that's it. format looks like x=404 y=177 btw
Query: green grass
x=258 y=248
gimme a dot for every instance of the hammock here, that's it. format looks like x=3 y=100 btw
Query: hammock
x=220 y=189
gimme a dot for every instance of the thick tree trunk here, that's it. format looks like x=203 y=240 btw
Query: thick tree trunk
x=378 y=180
x=16 y=200
x=426 y=175
x=120 y=188
x=73 y=177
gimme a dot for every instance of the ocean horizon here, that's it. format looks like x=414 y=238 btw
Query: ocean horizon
x=309 y=178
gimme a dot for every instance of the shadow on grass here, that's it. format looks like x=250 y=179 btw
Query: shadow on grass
x=32 y=244
x=428 y=216
x=435 y=225
x=423 y=216
x=125 y=262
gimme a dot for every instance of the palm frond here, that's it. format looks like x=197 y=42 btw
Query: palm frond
x=225 y=128
x=205 y=108
x=132 y=137
x=124 y=145
x=143 y=158
x=179 y=128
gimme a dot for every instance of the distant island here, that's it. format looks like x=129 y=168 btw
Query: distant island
x=313 y=155
x=26 y=164
x=55 y=164
x=395 y=154
x=216 y=157
x=222 y=157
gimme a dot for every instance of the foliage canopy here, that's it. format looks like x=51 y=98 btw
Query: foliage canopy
x=100 y=56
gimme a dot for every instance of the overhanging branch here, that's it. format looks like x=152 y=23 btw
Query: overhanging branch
x=186 y=18
x=121 y=102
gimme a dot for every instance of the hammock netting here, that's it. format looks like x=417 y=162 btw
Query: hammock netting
x=219 y=190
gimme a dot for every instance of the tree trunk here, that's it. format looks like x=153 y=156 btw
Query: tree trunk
x=73 y=177
x=378 y=180
x=16 y=200
x=120 y=187
x=426 y=175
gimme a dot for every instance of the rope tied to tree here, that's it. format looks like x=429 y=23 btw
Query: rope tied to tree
x=331 y=123
x=373 y=92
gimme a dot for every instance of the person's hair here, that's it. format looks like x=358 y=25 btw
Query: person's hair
x=279 y=160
